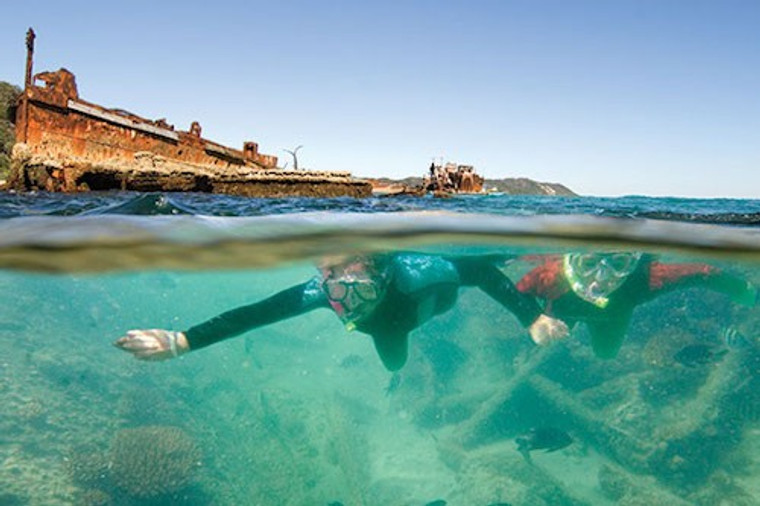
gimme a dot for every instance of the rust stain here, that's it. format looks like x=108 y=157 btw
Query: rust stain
x=74 y=145
x=453 y=178
x=61 y=124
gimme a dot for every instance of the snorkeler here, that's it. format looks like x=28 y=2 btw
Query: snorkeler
x=602 y=289
x=383 y=295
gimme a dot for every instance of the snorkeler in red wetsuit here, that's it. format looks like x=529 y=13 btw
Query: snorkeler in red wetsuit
x=602 y=289
x=384 y=295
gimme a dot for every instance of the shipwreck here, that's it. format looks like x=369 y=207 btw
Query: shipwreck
x=66 y=144
x=442 y=181
x=452 y=178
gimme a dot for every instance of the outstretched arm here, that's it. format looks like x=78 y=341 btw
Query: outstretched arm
x=668 y=277
x=157 y=344
x=486 y=276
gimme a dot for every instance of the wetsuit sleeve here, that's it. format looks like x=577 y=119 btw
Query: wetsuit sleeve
x=286 y=304
x=547 y=281
x=486 y=276
x=664 y=278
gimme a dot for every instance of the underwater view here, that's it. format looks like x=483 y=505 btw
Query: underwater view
x=480 y=351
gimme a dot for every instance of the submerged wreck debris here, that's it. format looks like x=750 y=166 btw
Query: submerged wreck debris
x=549 y=439
x=65 y=144
x=678 y=446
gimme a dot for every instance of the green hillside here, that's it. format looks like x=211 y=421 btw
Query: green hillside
x=8 y=96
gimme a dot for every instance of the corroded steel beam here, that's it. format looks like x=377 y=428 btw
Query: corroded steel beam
x=60 y=124
x=69 y=144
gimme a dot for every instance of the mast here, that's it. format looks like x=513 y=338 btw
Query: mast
x=23 y=126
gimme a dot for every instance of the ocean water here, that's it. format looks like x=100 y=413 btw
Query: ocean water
x=302 y=411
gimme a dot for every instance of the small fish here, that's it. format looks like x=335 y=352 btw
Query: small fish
x=250 y=351
x=12 y=327
x=437 y=502
x=542 y=438
x=694 y=355
x=335 y=503
x=393 y=384
x=500 y=504
x=734 y=339
x=352 y=360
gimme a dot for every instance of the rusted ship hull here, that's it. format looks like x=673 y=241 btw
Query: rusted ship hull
x=66 y=144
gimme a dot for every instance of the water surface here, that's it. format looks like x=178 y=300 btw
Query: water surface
x=303 y=412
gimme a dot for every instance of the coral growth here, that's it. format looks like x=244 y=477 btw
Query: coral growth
x=152 y=461
x=94 y=497
x=88 y=467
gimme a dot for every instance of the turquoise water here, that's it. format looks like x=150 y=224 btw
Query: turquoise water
x=302 y=412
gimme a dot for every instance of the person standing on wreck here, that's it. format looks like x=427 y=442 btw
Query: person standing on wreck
x=603 y=289
x=383 y=295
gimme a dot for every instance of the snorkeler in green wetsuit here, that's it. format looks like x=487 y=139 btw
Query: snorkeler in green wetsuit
x=383 y=295
x=603 y=289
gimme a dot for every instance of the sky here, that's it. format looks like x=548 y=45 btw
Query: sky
x=608 y=97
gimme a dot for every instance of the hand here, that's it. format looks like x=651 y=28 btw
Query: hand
x=153 y=344
x=547 y=329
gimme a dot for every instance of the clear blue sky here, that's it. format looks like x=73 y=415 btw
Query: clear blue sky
x=609 y=97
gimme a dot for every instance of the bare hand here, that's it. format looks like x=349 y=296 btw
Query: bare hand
x=153 y=344
x=547 y=329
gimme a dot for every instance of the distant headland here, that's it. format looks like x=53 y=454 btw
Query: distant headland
x=506 y=186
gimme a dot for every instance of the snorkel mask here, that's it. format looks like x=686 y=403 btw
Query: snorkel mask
x=595 y=276
x=354 y=287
